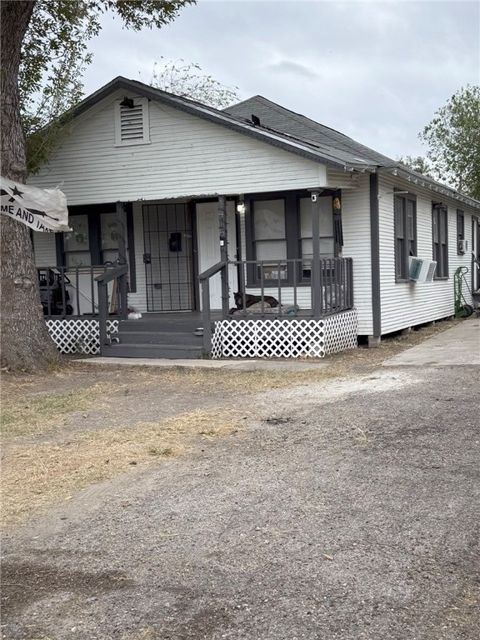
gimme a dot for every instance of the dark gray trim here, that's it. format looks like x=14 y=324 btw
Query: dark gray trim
x=475 y=241
x=460 y=228
x=375 y=256
x=59 y=249
x=131 y=248
x=316 y=275
x=223 y=238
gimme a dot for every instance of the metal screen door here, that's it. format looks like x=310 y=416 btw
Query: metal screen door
x=168 y=257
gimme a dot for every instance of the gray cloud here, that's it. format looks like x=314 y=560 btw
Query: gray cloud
x=294 y=68
x=376 y=71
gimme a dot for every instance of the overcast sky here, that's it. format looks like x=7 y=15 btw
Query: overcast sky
x=376 y=71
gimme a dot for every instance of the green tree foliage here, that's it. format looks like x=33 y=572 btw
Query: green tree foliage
x=453 y=139
x=55 y=55
x=417 y=163
x=188 y=80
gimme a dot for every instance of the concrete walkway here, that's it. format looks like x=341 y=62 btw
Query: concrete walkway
x=242 y=365
x=458 y=346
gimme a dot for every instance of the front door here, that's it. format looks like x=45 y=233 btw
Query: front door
x=168 y=257
x=208 y=241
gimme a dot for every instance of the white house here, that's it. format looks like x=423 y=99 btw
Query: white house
x=178 y=187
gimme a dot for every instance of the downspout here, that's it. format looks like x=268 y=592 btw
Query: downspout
x=375 y=261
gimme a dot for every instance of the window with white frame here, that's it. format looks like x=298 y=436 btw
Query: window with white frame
x=270 y=237
x=77 y=242
x=326 y=233
x=132 y=121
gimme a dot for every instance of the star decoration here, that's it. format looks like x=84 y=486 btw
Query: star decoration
x=16 y=192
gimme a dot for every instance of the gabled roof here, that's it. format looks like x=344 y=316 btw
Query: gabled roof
x=285 y=141
x=282 y=128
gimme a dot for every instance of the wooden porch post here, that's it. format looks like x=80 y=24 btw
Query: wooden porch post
x=122 y=258
x=316 y=283
x=222 y=225
x=122 y=228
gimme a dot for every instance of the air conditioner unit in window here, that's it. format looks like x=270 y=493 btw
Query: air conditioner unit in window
x=421 y=270
x=462 y=246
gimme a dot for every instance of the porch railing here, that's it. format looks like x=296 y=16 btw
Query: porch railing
x=69 y=292
x=289 y=282
x=204 y=279
x=118 y=276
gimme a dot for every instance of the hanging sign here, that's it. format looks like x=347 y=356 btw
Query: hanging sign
x=41 y=209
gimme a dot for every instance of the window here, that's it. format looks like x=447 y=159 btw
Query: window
x=279 y=232
x=440 y=239
x=405 y=215
x=270 y=237
x=131 y=121
x=460 y=230
x=109 y=234
x=77 y=242
x=327 y=246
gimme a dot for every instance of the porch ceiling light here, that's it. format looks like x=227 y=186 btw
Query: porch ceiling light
x=241 y=208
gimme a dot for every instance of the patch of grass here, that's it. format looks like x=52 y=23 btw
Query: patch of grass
x=26 y=414
x=38 y=475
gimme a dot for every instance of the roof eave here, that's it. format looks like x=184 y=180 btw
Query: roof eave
x=429 y=183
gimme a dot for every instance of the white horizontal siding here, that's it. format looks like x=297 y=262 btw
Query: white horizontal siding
x=406 y=304
x=187 y=156
x=356 y=239
x=45 y=250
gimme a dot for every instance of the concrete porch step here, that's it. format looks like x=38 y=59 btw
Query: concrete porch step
x=158 y=337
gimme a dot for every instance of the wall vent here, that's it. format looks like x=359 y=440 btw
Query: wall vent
x=131 y=122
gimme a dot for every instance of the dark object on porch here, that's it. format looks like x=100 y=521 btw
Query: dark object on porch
x=245 y=300
x=54 y=295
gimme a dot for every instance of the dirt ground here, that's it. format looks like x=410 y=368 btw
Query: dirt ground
x=147 y=504
x=83 y=423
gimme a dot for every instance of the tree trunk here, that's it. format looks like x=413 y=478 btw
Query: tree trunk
x=26 y=344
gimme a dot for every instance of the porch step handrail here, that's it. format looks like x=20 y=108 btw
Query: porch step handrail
x=204 y=278
x=111 y=274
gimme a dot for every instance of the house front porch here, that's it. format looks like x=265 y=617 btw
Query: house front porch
x=202 y=277
x=258 y=330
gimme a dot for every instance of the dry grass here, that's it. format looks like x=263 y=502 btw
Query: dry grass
x=38 y=475
x=24 y=414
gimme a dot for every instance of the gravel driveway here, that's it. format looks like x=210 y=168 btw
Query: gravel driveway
x=344 y=510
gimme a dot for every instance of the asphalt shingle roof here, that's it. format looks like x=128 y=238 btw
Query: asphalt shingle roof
x=276 y=117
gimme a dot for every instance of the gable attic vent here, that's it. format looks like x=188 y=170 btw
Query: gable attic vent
x=131 y=122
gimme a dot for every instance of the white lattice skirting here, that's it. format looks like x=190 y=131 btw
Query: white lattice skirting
x=285 y=338
x=77 y=335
